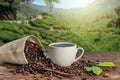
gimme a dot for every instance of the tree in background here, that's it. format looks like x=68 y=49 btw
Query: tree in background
x=8 y=8
x=50 y=4
x=117 y=10
x=115 y=22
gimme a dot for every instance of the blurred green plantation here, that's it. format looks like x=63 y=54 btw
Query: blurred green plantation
x=49 y=22
x=11 y=31
x=98 y=37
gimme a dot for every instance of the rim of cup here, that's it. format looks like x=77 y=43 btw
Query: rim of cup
x=69 y=43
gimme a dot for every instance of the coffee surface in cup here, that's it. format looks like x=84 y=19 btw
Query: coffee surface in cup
x=62 y=45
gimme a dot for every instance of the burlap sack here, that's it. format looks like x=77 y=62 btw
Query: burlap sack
x=13 y=52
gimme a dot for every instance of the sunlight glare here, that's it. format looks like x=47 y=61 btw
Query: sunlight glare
x=73 y=3
x=84 y=3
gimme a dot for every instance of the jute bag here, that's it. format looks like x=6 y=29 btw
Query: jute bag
x=13 y=52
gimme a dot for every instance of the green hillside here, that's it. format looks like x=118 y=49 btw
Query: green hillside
x=25 y=12
x=12 y=31
x=98 y=37
x=93 y=38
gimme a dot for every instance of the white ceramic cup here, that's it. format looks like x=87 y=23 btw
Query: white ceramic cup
x=64 y=53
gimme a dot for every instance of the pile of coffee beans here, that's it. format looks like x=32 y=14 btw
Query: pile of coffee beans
x=38 y=63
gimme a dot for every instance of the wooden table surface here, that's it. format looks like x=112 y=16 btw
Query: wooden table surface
x=114 y=57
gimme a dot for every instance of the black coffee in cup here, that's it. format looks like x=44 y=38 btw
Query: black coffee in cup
x=62 y=45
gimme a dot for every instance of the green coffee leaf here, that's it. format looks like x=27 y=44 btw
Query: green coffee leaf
x=88 y=69
x=97 y=71
x=106 y=64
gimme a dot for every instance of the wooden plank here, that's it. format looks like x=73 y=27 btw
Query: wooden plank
x=5 y=69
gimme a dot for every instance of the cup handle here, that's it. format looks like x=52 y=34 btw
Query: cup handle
x=81 y=53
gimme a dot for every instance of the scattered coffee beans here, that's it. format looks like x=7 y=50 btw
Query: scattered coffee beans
x=38 y=63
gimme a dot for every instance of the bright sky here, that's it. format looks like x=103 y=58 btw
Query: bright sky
x=67 y=3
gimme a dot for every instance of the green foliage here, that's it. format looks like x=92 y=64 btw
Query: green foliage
x=7 y=35
x=117 y=10
x=49 y=22
x=8 y=9
x=50 y=4
x=96 y=37
x=1 y=42
x=25 y=12
x=20 y=15
x=106 y=64
x=115 y=22
x=97 y=70
x=3 y=3
x=12 y=31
